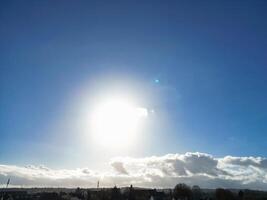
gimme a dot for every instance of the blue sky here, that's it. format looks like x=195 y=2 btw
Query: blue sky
x=209 y=58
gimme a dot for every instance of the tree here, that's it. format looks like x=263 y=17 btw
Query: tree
x=88 y=197
x=50 y=196
x=115 y=194
x=222 y=194
x=78 y=193
x=182 y=192
x=196 y=192
x=240 y=195
x=131 y=195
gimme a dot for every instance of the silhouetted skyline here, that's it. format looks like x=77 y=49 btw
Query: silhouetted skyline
x=92 y=89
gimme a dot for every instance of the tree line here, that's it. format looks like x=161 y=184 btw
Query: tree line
x=180 y=192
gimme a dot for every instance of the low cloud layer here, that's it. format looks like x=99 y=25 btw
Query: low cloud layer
x=156 y=171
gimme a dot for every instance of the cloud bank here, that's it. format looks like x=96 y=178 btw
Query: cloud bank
x=156 y=171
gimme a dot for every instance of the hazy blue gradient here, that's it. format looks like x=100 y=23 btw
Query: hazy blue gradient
x=201 y=65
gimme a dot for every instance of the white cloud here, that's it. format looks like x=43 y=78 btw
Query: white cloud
x=156 y=171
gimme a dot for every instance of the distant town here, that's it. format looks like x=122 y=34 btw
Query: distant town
x=179 y=192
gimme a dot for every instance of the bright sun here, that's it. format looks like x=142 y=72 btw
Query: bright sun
x=115 y=122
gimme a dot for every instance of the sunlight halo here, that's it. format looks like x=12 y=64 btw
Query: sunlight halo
x=115 y=122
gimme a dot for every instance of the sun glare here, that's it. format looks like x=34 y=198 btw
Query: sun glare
x=115 y=123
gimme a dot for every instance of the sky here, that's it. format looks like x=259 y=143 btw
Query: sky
x=197 y=68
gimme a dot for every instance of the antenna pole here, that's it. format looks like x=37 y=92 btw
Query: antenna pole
x=3 y=193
